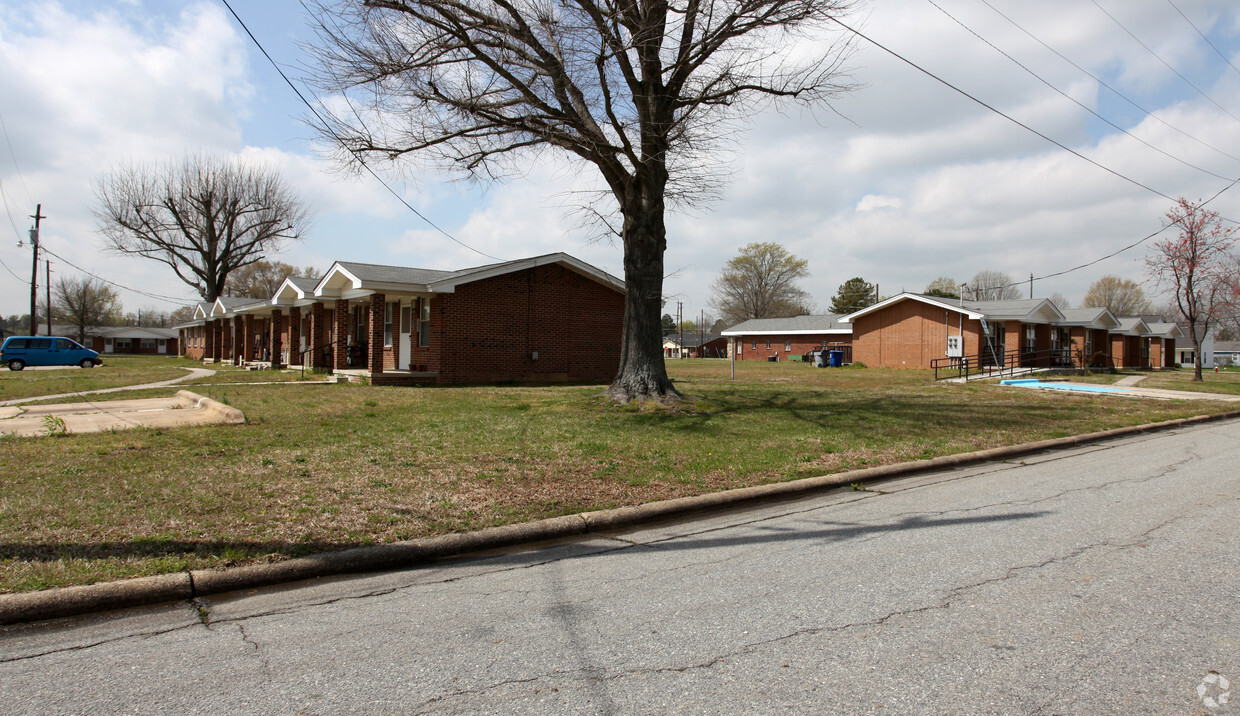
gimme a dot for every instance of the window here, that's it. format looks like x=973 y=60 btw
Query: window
x=787 y=346
x=755 y=345
x=387 y=324
x=768 y=345
x=424 y=323
x=1031 y=338
x=148 y=344
x=122 y=344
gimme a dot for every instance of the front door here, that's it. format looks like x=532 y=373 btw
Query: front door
x=994 y=344
x=404 y=345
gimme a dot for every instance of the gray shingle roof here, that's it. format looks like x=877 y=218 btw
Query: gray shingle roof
x=795 y=324
x=378 y=273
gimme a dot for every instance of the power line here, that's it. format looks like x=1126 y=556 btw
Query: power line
x=1133 y=245
x=1072 y=99
x=1167 y=64
x=156 y=296
x=13 y=154
x=1103 y=83
x=1203 y=36
x=999 y=112
x=356 y=154
x=4 y=197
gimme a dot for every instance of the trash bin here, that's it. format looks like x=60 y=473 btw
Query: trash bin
x=772 y=359
x=820 y=359
x=836 y=358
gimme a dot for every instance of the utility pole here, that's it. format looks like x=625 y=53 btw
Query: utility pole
x=680 y=328
x=34 y=271
x=47 y=267
x=1030 y=285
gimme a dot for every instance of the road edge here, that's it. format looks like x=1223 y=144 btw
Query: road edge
x=24 y=607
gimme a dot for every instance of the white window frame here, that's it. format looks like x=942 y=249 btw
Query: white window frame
x=387 y=324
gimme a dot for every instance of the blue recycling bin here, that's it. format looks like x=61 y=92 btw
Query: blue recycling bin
x=835 y=358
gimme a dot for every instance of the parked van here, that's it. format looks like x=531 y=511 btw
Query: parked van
x=21 y=351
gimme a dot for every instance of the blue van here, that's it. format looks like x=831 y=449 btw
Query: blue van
x=21 y=351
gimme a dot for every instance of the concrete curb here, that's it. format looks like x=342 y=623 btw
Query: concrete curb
x=69 y=601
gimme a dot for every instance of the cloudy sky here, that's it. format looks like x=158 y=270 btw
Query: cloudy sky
x=900 y=182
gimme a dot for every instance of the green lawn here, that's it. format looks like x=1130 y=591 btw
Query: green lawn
x=320 y=467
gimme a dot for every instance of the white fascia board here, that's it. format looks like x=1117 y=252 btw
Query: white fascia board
x=1055 y=315
x=911 y=297
x=331 y=284
x=257 y=309
x=288 y=293
x=824 y=332
x=575 y=265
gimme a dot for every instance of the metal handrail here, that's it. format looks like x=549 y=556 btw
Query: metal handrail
x=1013 y=361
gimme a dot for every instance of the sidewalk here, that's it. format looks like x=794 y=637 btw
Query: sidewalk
x=193 y=373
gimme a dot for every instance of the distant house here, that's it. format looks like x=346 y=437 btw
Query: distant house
x=783 y=338
x=135 y=340
x=540 y=319
x=1227 y=352
x=1185 y=356
x=695 y=345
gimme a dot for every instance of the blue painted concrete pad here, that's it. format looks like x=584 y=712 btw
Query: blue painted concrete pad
x=1078 y=387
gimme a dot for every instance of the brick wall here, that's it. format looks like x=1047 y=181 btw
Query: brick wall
x=800 y=345
x=909 y=334
x=489 y=330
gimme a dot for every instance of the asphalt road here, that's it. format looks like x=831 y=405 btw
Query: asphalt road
x=1105 y=579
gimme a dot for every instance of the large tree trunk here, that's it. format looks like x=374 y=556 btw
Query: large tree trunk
x=643 y=374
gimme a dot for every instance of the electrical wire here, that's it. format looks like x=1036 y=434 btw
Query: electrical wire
x=1203 y=36
x=1167 y=64
x=997 y=111
x=13 y=154
x=356 y=154
x=1103 y=83
x=1072 y=99
x=4 y=197
x=156 y=296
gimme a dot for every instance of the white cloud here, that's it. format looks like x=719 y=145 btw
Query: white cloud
x=875 y=202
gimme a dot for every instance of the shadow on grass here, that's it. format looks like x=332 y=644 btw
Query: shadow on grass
x=823 y=410
x=833 y=532
x=159 y=548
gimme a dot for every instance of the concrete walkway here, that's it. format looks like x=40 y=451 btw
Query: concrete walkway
x=193 y=373
x=185 y=408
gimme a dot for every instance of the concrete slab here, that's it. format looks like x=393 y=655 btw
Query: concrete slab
x=185 y=408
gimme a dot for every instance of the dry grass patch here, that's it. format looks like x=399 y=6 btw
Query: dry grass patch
x=323 y=467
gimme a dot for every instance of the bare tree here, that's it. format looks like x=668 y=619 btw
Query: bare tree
x=1195 y=268
x=262 y=279
x=992 y=285
x=1059 y=300
x=641 y=91
x=1121 y=296
x=203 y=216
x=84 y=302
x=761 y=282
x=943 y=287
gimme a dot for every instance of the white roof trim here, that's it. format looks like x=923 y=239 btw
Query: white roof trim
x=287 y=290
x=448 y=285
x=911 y=297
x=799 y=332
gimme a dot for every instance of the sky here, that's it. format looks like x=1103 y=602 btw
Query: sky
x=899 y=182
